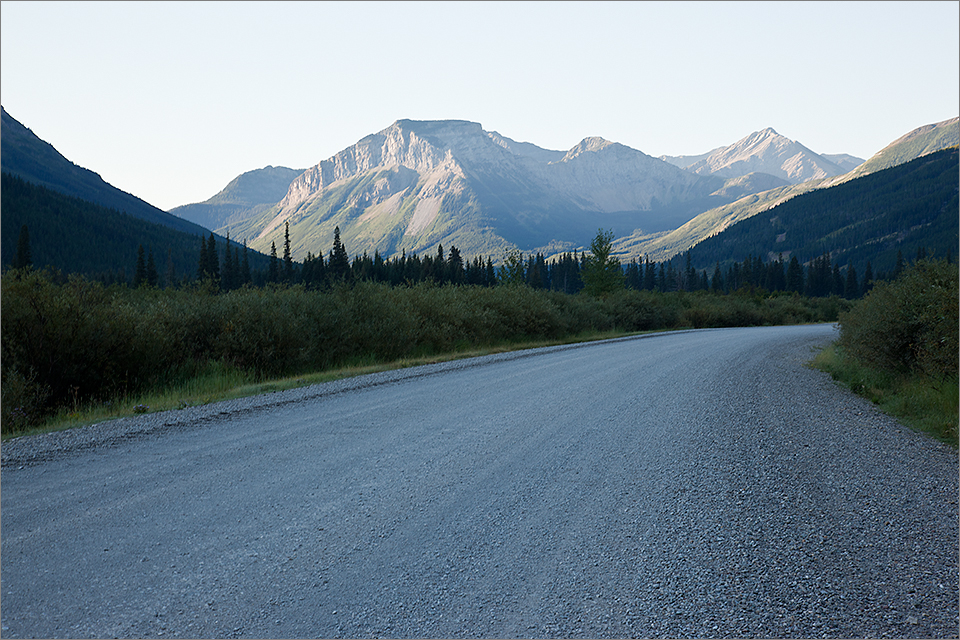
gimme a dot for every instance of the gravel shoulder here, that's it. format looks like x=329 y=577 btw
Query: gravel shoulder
x=695 y=484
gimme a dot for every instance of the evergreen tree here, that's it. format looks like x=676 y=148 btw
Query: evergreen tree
x=717 y=283
x=245 y=276
x=602 y=273
x=491 y=277
x=900 y=265
x=140 y=273
x=338 y=266
x=24 y=258
x=851 y=287
x=837 y=285
x=867 y=279
x=273 y=274
x=689 y=274
x=650 y=275
x=632 y=275
x=287 y=257
x=209 y=267
x=795 y=279
x=153 y=278
x=455 y=271
x=170 y=277
x=512 y=269
x=203 y=267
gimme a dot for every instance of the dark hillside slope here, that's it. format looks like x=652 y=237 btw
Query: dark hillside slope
x=76 y=236
x=904 y=208
x=25 y=155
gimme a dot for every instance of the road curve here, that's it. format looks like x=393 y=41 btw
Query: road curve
x=692 y=484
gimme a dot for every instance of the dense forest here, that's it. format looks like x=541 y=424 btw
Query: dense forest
x=77 y=236
x=907 y=209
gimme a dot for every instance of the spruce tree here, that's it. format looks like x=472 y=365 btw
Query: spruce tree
x=795 y=275
x=153 y=278
x=170 y=279
x=867 y=279
x=338 y=265
x=140 y=273
x=287 y=258
x=273 y=274
x=214 y=258
x=851 y=288
x=24 y=258
x=602 y=273
x=245 y=276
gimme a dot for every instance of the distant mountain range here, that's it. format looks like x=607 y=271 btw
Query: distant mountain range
x=769 y=153
x=904 y=208
x=660 y=246
x=417 y=184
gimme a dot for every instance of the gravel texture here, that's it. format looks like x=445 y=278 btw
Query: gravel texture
x=694 y=484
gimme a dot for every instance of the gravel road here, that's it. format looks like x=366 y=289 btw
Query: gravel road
x=689 y=484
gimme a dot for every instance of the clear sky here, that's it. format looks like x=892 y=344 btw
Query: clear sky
x=171 y=101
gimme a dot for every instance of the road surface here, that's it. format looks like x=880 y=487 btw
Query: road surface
x=691 y=484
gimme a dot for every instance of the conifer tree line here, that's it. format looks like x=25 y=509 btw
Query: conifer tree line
x=822 y=277
x=230 y=269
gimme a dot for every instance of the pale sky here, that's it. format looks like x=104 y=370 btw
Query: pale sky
x=171 y=101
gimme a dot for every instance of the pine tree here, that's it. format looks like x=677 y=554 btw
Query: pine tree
x=24 y=258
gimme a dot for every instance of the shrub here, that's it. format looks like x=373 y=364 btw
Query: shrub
x=910 y=324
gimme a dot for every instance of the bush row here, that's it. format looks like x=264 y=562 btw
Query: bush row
x=76 y=341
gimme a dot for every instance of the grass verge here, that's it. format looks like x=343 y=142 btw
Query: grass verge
x=218 y=382
x=920 y=402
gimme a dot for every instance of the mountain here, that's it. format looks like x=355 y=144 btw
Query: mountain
x=248 y=195
x=767 y=152
x=903 y=208
x=661 y=246
x=845 y=161
x=417 y=184
x=80 y=224
x=25 y=155
x=916 y=143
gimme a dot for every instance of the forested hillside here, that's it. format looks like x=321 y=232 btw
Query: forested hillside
x=905 y=209
x=25 y=155
x=77 y=236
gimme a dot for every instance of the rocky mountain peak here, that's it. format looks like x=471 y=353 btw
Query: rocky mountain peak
x=766 y=151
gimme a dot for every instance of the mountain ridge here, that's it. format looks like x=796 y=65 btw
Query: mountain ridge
x=916 y=143
x=25 y=155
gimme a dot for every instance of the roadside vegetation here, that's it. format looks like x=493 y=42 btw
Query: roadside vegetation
x=898 y=347
x=76 y=350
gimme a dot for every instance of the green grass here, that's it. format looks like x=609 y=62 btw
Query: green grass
x=216 y=382
x=921 y=402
